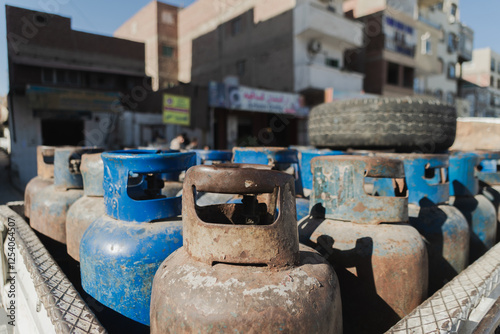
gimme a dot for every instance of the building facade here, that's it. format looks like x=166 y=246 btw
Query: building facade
x=412 y=47
x=484 y=68
x=66 y=87
x=454 y=47
x=288 y=46
x=482 y=88
x=483 y=101
x=156 y=25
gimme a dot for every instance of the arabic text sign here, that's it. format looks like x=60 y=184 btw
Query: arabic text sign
x=253 y=99
x=246 y=98
x=176 y=109
x=52 y=98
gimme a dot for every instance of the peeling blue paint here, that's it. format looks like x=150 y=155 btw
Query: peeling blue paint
x=121 y=251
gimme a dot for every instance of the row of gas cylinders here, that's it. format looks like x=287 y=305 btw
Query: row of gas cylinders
x=184 y=243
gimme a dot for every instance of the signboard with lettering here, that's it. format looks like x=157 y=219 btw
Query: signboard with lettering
x=253 y=99
x=52 y=98
x=176 y=109
x=399 y=37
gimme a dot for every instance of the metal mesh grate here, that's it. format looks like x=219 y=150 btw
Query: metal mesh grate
x=67 y=311
x=444 y=311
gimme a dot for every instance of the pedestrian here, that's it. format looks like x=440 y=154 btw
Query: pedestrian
x=179 y=142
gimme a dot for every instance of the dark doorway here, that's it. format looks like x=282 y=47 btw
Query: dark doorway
x=392 y=73
x=57 y=132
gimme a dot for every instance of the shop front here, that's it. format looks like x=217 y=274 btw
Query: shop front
x=245 y=116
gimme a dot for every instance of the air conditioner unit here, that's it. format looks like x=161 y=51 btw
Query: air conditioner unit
x=314 y=46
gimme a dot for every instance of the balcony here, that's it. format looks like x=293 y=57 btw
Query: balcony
x=312 y=21
x=318 y=76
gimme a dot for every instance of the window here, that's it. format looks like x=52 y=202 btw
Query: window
x=441 y=65
x=331 y=62
x=453 y=10
x=167 y=17
x=498 y=67
x=452 y=42
x=498 y=83
x=236 y=26
x=392 y=73
x=492 y=82
x=240 y=68
x=47 y=75
x=408 y=77
x=167 y=51
x=451 y=71
x=426 y=47
x=60 y=76
x=492 y=65
x=439 y=5
x=450 y=98
x=73 y=78
x=438 y=94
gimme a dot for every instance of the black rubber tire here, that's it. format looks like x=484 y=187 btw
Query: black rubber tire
x=406 y=124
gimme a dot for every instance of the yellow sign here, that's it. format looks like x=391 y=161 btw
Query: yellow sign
x=176 y=109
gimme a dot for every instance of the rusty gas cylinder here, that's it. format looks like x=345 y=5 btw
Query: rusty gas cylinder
x=381 y=261
x=50 y=205
x=44 y=178
x=241 y=269
x=87 y=208
x=443 y=226
x=211 y=157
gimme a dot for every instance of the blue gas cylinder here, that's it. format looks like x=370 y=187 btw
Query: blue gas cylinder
x=121 y=251
x=87 y=208
x=210 y=157
x=477 y=209
x=381 y=260
x=488 y=173
x=443 y=226
x=280 y=158
x=50 y=205
x=305 y=157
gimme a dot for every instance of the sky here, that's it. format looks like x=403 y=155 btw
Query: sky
x=105 y=16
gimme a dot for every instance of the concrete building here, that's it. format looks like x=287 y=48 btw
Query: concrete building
x=276 y=47
x=290 y=46
x=388 y=56
x=484 y=68
x=411 y=46
x=483 y=101
x=156 y=25
x=391 y=54
x=453 y=48
x=66 y=87
x=482 y=83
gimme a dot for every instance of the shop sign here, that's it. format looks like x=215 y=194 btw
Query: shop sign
x=253 y=99
x=52 y=98
x=176 y=109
